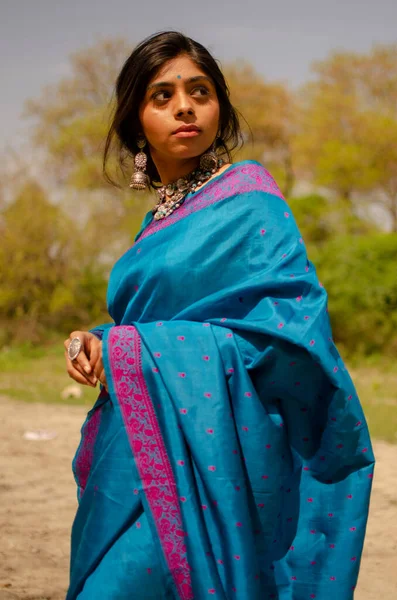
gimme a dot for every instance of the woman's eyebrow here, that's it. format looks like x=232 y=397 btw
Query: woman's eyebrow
x=172 y=84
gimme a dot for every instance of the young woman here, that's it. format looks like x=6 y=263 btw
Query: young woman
x=227 y=454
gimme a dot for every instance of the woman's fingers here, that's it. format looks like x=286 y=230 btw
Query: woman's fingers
x=74 y=371
x=81 y=362
x=82 y=365
x=95 y=354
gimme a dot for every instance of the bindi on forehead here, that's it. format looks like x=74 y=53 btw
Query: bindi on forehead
x=179 y=76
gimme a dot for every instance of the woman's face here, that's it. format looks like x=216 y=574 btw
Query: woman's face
x=181 y=95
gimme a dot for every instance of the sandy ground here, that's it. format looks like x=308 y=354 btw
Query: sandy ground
x=38 y=502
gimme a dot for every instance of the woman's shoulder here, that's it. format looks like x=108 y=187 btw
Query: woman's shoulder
x=246 y=191
x=243 y=177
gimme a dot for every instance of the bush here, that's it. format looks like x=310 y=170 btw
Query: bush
x=359 y=274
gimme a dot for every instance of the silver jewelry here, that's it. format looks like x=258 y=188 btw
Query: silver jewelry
x=209 y=159
x=172 y=195
x=74 y=348
x=139 y=179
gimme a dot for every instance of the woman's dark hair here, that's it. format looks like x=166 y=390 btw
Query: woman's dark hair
x=139 y=69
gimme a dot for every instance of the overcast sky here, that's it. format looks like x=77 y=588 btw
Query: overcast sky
x=280 y=38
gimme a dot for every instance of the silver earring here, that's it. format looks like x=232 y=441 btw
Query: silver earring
x=209 y=160
x=139 y=178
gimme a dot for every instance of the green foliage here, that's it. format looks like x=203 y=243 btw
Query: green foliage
x=321 y=220
x=359 y=274
x=46 y=280
x=347 y=126
x=313 y=215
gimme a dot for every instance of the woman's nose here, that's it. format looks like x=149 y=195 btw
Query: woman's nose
x=184 y=111
x=183 y=105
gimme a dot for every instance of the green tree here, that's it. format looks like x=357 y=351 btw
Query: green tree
x=321 y=220
x=348 y=120
x=268 y=111
x=359 y=274
x=43 y=269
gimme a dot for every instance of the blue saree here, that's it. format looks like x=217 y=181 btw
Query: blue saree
x=230 y=456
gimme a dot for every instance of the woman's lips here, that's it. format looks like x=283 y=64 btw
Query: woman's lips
x=187 y=131
x=187 y=134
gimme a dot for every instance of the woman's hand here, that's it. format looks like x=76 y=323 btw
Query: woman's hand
x=96 y=362
x=80 y=369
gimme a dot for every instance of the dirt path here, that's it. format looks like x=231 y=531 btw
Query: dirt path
x=38 y=503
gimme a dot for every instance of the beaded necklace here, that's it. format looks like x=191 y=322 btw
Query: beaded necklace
x=172 y=195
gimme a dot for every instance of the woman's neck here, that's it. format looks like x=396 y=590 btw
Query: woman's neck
x=170 y=171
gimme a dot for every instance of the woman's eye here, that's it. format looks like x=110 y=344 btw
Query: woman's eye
x=201 y=91
x=161 y=96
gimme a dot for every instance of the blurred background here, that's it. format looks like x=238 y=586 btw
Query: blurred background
x=316 y=83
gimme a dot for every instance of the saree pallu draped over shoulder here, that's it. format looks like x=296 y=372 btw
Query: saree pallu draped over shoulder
x=230 y=457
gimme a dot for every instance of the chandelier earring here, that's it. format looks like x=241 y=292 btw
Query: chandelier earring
x=209 y=160
x=139 y=178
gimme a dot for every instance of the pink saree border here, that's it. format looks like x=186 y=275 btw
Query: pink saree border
x=85 y=453
x=148 y=448
x=238 y=179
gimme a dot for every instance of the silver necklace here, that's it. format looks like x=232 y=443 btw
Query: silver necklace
x=172 y=195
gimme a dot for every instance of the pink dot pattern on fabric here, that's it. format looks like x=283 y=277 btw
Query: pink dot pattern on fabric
x=141 y=425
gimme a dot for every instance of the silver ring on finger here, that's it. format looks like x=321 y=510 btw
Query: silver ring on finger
x=74 y=348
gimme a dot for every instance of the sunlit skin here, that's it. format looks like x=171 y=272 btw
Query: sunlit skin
x=179 y=94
